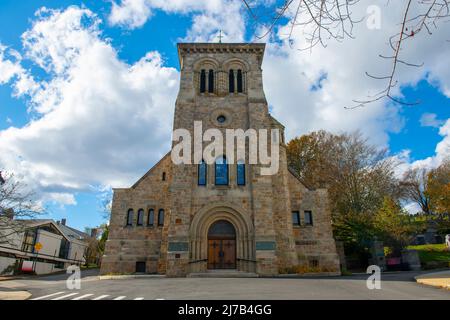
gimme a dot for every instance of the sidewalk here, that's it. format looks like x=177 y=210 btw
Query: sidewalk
x=436 y=279
x=14 y=295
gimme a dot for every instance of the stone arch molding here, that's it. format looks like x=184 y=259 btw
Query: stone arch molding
x=211 y=63
x=206 y=63
x=235 y=63
x=211 y=213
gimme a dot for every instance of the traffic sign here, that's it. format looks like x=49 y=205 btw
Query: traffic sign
x=38 y=246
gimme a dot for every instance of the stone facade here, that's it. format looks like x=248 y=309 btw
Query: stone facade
x=266 y=240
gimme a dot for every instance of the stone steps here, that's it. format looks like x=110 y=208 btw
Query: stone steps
x=223 y=274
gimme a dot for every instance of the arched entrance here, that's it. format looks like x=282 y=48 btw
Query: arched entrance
x=199 y=229
x=222 y=245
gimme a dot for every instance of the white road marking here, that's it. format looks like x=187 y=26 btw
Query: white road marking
x=66 y=296
x=101 y=297
x=120 y=298
x=83 y=296
x=49 y=295
x=139 y=298
x=160 y=299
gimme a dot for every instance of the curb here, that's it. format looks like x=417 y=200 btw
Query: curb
x=435 y=279
x=309 y=275
x=14 y=295
x=131 y=276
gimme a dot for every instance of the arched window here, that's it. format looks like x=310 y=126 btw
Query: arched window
x=231 y=80
x=211 y=81
x=140 y=217
x=130 y=217
x=202 y=173
x=151 y=217
x=164 y=176
x=202 y=81
x=239 y=81
x=161 y=217
x=221 y=171
x=240 y=173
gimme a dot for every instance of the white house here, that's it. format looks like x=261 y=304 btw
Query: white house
x=60 y=246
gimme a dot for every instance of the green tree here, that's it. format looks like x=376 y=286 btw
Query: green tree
x=438 y=188
x=394 y=225
x=358 y=177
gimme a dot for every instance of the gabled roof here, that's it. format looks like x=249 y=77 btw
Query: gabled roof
x=292 y=171
x=149 y=171
x=73 y=233
x=276 y=121
x=67 y=232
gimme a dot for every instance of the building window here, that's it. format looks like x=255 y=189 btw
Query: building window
x=163 y=176
x=239 y=81
x=202 y=81
x=221 y=171
x=240 y=174
x=130 y=217
x=231 y=81
x=202 y=173
x=308 y=218
x=151 y=217
x=64 y=249
x=295 y=218
x=211 y=81
x=140 y=217
x=161 y=217
x=29 y=240
x=221 y=119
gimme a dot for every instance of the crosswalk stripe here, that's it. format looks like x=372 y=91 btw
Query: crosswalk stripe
x=139 y=298
x=83 y=296
x=120 y=298
x=49 y=295
x=65 y=296
x=101 y=297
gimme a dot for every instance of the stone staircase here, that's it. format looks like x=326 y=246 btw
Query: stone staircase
x=223 y=274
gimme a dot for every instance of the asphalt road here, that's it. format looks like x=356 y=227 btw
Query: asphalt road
x=393 y=286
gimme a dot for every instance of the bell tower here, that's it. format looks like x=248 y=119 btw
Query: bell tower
x=221 y=87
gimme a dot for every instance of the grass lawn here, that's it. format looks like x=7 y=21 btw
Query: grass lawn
x=432 y=252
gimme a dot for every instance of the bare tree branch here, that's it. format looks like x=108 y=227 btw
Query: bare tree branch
x=16 y=204
x=323 y=20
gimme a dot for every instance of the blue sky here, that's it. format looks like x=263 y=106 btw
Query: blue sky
x=73 y=170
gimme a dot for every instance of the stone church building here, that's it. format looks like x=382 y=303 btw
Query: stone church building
x=189 y=218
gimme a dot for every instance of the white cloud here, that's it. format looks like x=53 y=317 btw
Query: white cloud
x=99 y=120
x=61 y=198
x=430 y=120
x=12 y=70
x=130 y=13
x=442 y=152
x=209 y=16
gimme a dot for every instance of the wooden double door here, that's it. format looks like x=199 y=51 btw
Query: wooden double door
x=221 y=254
x=222 y=245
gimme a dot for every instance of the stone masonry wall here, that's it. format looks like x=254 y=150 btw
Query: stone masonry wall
x=315 y=244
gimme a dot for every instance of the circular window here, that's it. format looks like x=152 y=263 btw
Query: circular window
x=221 y=119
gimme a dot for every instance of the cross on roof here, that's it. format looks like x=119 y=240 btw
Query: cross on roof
x=220 y=36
